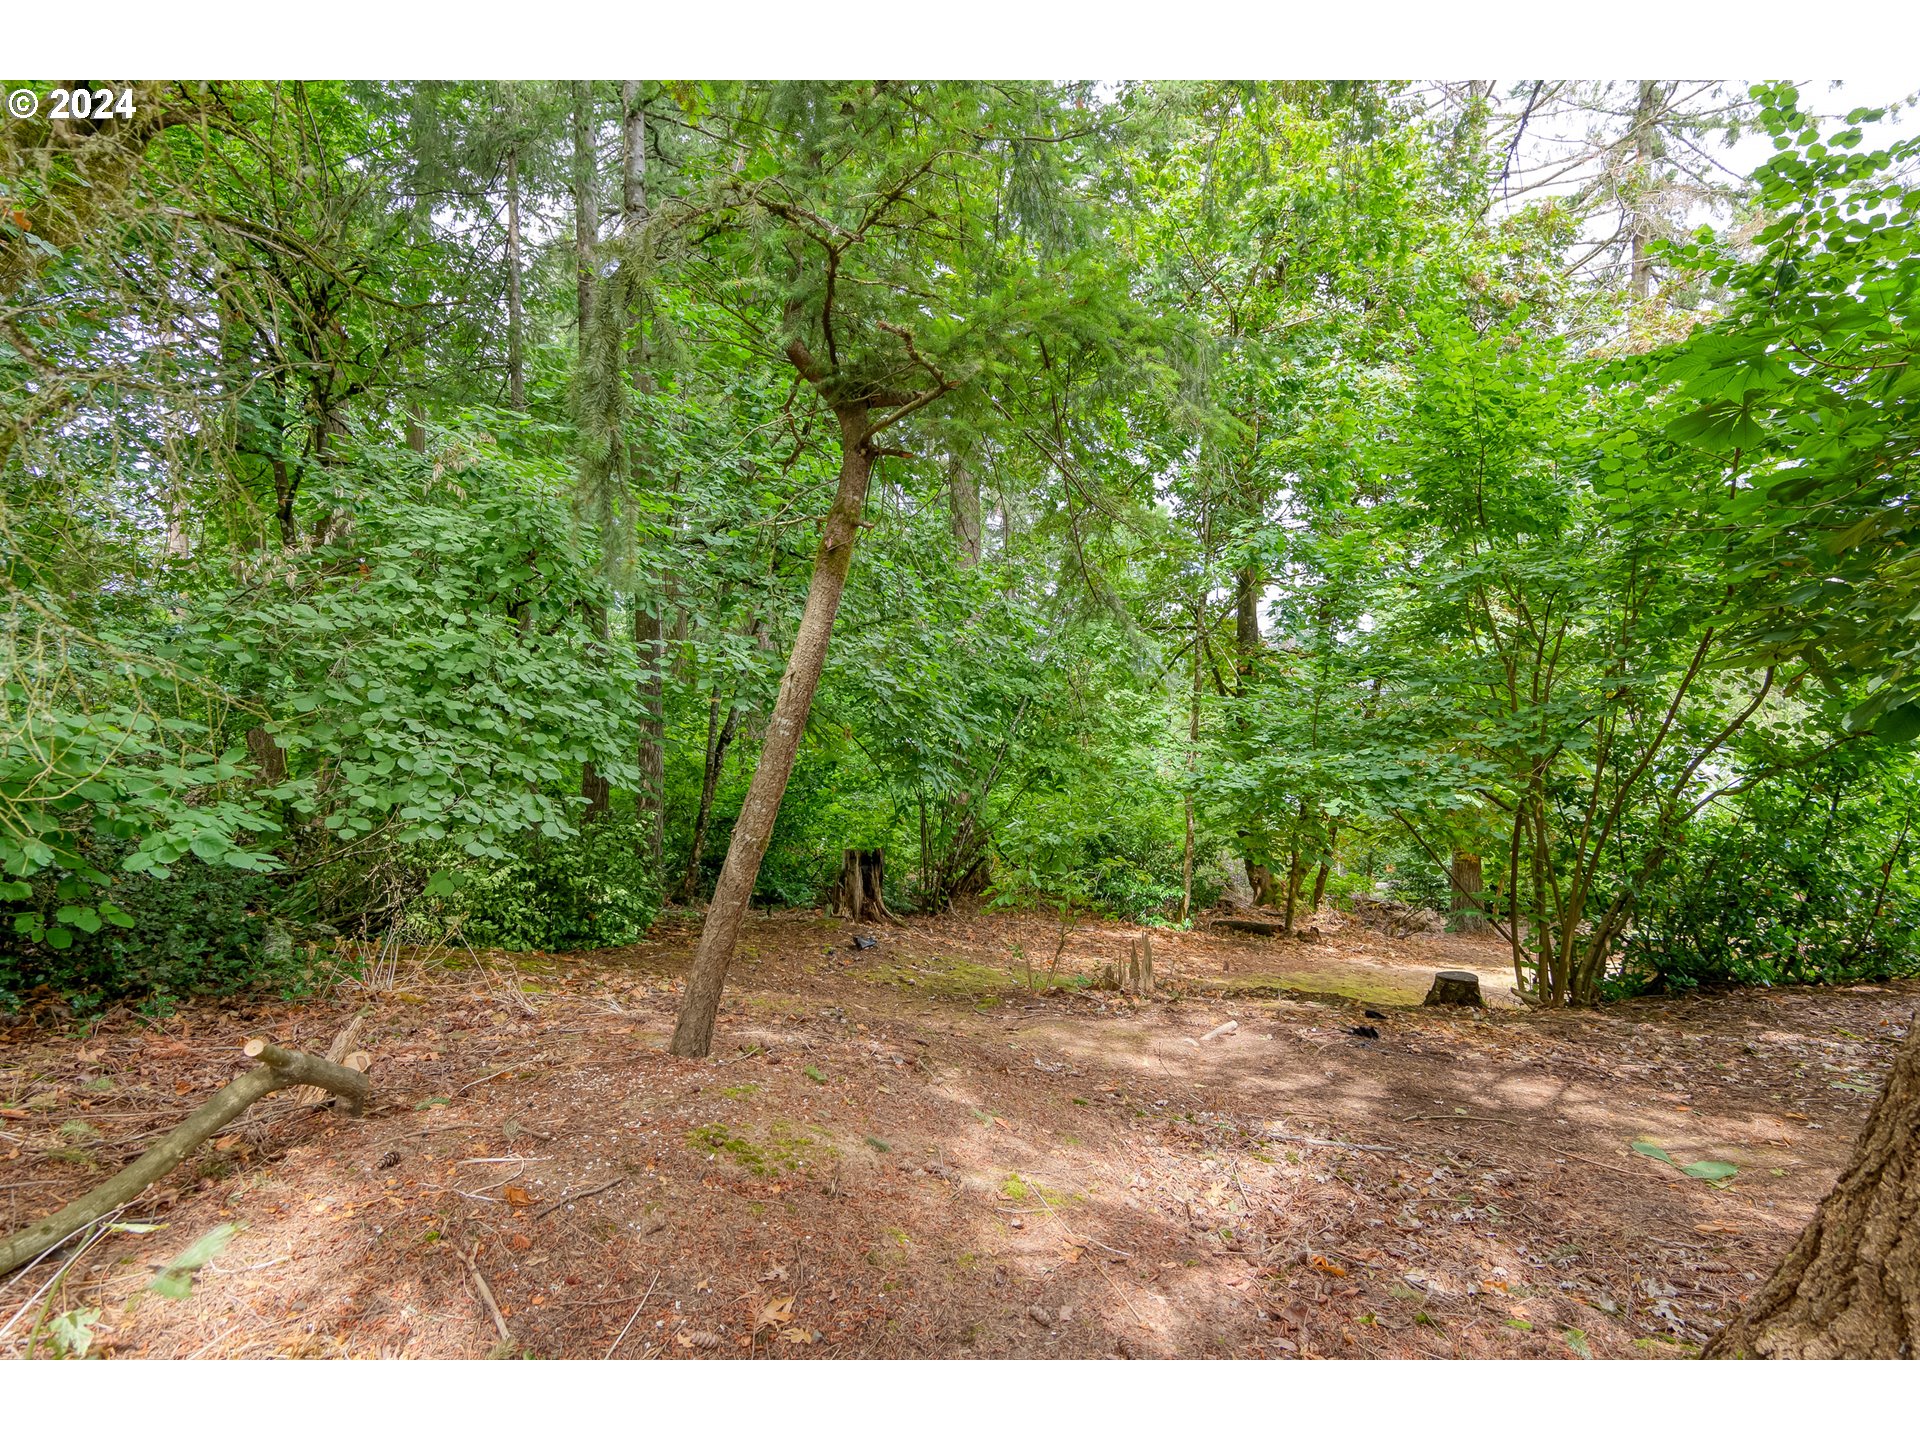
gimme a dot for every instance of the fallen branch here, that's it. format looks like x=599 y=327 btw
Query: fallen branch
x=635 y=1316
x=577 y=1195
x=1328 y=1144
x=279 y=1070
x=340 y=1053
x=1470 y=1119
x=1253 y=927
x=486 y=1296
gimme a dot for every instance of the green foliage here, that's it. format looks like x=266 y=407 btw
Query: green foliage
x=431 y=672
x=590 y=890
x=1285 y=495
x=204 y=929
x=175 y=1280
x=1808 y=879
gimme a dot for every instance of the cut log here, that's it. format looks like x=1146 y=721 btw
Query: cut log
x=1253 y=927
x=279 y=1070
x=1455 y=987
x=338 y=1052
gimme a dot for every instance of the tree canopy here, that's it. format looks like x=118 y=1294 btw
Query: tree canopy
x=1104 y=495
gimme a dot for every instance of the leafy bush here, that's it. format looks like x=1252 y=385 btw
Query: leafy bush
x=1811 y=881
x=202 y=930
x=591 y=890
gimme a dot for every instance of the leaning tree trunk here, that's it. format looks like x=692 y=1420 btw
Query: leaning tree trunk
x=693 y=1034
x=1850 y=1287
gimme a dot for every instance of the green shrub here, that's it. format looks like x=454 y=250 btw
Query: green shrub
x=592 y=890
x=203 y=930
x=1810 y=881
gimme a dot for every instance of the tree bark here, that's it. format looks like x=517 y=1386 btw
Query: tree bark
x=1246 y=627
x=1455 y=987
x=516 y=316
x=1850 y=1287
x=1468 y=880
x=719 y=737
x=693 y=1034
x=586 y=204
x=1193 y=763
x=1295 y=869
x=861 y=890
x=1644 y=116
x=963 y=499
x=594 y=786
x=650 y=800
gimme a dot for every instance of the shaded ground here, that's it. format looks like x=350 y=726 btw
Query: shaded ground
x=904 y=1151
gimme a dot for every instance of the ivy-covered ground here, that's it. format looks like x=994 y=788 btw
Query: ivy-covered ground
x=910 y=1150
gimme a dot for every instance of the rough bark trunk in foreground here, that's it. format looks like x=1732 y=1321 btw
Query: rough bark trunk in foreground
x=279 y=1070
x=1850 y=1287
x=693 y=1035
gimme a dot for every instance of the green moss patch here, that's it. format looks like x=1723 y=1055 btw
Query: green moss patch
x=780 y=1151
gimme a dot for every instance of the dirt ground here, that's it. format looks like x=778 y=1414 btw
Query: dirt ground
x=910 y=1150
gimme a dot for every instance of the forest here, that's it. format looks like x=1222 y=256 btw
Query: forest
x=893 y=691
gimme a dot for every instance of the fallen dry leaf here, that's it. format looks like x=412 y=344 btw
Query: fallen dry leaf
x=777 y=1311
x=517 y=1196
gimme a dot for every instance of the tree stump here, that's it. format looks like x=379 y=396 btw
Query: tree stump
x=1455 y=987
x=859 y=891
x=1136 y=978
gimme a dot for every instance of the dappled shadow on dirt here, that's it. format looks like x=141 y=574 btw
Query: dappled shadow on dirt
x=914 y=1149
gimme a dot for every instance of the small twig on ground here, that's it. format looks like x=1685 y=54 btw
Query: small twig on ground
x=1330 y=1144
x=215 y=1341
x=503 y=1070
x=486 y=1295
x=633 y=1317
x=1589 y=1160
x=1479 y=1119
x=577 y=1195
